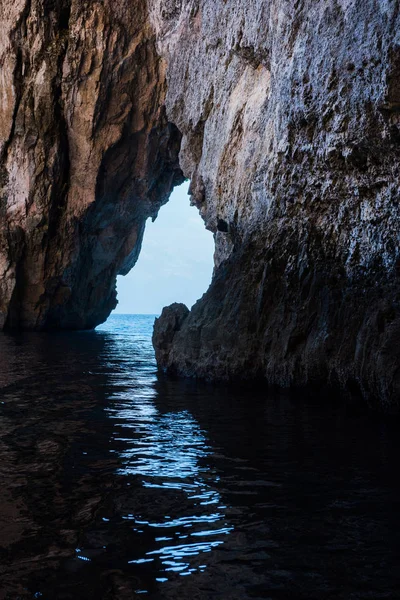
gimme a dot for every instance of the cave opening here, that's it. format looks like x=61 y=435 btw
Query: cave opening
x=175 y=263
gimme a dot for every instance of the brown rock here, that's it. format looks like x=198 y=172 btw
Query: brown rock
x=86 y=156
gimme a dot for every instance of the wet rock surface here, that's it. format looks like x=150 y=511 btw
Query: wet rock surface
x=165 y=328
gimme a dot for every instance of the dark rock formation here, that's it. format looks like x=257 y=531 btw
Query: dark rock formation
x=165 y=328
x=287 y=119
x=86 y=155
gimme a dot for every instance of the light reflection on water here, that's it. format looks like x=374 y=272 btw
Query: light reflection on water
x=166 y=452
x=116 y=482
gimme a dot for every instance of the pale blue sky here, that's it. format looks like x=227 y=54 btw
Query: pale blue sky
x=176 y=261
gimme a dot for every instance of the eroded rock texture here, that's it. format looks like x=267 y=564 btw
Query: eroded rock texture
x=86 y=155
x=288 y=114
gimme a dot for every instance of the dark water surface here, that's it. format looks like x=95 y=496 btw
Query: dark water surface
x=116 y=483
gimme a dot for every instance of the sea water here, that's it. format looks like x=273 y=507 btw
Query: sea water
x=117 y=482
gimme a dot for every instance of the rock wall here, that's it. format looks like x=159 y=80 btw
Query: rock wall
x=286 y=118
x=290 y=114
x=86 y=155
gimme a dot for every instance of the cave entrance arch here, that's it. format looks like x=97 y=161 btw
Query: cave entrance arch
x=175 y=263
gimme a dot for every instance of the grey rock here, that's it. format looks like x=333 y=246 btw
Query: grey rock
x=290 y=125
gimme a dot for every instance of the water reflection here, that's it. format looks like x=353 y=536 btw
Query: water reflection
x=116 y=483
x=127 y=485
x=164 y=451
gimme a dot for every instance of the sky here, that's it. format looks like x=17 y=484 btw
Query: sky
x=176 y=261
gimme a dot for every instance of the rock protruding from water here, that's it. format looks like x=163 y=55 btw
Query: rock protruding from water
x=165 y=328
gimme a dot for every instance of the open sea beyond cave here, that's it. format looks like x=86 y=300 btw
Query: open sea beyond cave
x=116 y=482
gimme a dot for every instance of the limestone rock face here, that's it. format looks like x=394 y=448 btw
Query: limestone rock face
x=86 y=155
x=286 y=118
x=290 y=115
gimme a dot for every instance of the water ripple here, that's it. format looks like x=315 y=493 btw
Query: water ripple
x=116 y=482
x=167 y=451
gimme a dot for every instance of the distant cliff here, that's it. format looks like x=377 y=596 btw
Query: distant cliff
x=285 y=115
